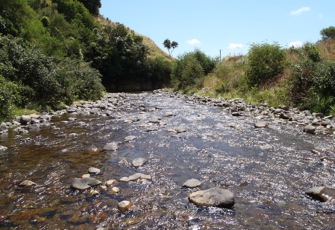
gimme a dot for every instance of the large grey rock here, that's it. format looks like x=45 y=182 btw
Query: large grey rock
x=84 y=183
x=216 y=197
x=112 y=146
x=192 y=183
x=321 y=193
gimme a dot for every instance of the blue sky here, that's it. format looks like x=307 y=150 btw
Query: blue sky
x=227 y=25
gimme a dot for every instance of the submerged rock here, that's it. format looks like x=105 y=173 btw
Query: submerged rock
x=3 y=148
x=124 y=206
x=321 y=193
x=216 y=197
x=261 y=124
x=192 y=183
x=129 y=138
x=138 y=162
x=27 y=183
x=135 y=177
x=112 y=146
x=84 y=183
x=93 y=170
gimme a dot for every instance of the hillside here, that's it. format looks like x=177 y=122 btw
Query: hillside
x=54 y=52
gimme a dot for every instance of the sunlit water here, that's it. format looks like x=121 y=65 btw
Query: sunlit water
x=267 y=169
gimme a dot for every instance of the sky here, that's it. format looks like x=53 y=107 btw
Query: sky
x=226 y=26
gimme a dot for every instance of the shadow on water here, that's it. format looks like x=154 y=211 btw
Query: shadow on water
x=267 y=169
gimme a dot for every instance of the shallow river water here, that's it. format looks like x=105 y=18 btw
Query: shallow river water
x=268 y=170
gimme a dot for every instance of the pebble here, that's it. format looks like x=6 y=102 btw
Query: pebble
x=216 y=197
x=192 y=183
x=27 y=183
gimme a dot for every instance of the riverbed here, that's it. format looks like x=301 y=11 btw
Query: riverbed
x=267 y=168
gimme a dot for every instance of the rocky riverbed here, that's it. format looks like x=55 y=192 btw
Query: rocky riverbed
x=165 y=160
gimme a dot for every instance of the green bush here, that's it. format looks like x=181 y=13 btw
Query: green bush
x=265 y=61
x=190 y=69
x=313 y=80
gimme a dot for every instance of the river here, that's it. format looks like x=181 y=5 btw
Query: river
x=268 y=169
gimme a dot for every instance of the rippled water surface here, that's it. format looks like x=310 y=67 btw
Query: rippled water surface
x=267 y=169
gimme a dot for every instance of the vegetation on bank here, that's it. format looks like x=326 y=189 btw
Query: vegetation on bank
x=301 y=77
x=53 y=52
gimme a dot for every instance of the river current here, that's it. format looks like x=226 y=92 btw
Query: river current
x=268 y=169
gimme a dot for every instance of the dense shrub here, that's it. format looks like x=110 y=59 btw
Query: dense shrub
x=265 y=61
x=313 y=80
x=48 y=81
x=190 y=69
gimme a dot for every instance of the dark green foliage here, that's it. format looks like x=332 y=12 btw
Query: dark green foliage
x=265 y=61
x=47 y=81
x=313 y=80
x=92 y=5
x=8 y=97
x=190 y=70
x=328 y=33
x=170 y=45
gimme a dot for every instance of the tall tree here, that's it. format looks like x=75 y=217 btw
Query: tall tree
x=170 y=45
x=92 y=5
x=328 y=33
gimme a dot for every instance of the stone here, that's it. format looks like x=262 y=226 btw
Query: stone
x=321 y=193
x=180 y=130
x=135 y=177
x=115 y=190
x=25 y=119
x=124 y=205
x=110 y=183
x=112 y=146
x=192 y=183
x=3 y=148
x=309 y=129
x=86 y=175
x=129 y=138
x=216 y=197
x=261 y=124
x=138 y=162
x=93 y=170
x=27 y=183
x=84 y=183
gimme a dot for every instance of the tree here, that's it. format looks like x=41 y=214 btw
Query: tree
x=170 y=45
x=328 y=33
x=92 y=6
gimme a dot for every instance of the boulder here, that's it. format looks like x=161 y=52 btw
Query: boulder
x=24 y=119
x=216 y=197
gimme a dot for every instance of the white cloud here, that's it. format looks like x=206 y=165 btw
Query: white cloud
x=234 y=46
x=300 y=10
x=193 y=42
x=295 y=44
